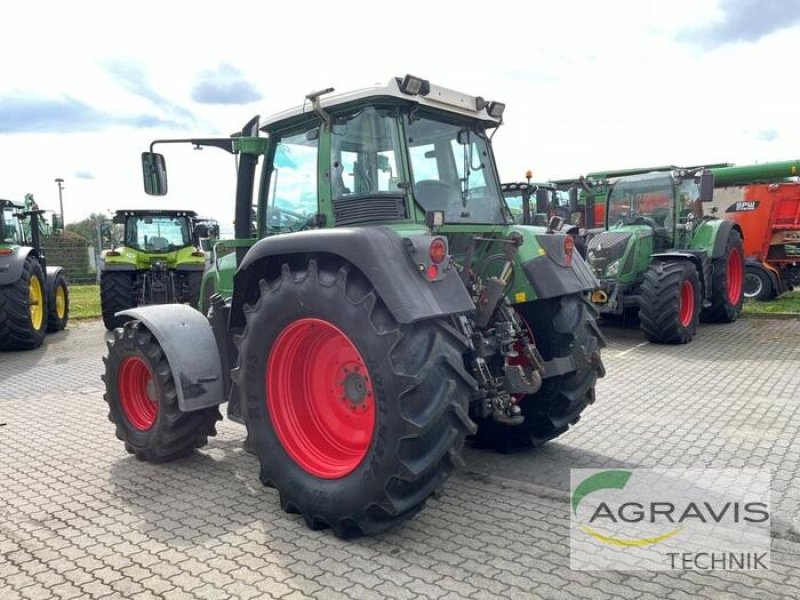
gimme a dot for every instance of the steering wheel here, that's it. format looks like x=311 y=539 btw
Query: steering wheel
x=285 y=220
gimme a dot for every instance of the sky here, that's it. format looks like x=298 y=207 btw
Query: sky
x=86 y=86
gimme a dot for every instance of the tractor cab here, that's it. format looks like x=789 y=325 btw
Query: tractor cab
x=11 y=230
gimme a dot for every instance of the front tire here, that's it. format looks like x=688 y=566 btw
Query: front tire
x=23 y=309
x=727 y=283
x=58 y=305
x=670 y=302
x=558 y=326
x=757 y=284
x=355 y=419
x=143 y=403
x=116 y=294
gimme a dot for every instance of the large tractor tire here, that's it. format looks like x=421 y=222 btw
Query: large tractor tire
x=191 y=290
x=58 y=304
x=23 y=309
x=669 y=307
x=143 y=403
x=727 y=283
x=116 y=293
x=355 y=419
x=557 y=326
x=758 y=284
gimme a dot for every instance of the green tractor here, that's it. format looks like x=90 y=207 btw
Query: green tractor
x=387 y=308
x=34 y=297
x=159 y=261
x=662 y=256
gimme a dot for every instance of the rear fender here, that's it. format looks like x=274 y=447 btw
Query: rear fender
x=188 y=343
x=11 y=265
x=380 y=253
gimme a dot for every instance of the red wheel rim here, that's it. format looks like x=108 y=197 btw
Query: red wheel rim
x=136 y=389
x=320 y=398
x=687 y=303
x=735 y=275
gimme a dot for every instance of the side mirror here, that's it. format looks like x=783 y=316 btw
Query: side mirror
x=57 y=225
x=542 y=198
x=200 y=233
x=154 y=172
x=573 y=200
x=706 y=186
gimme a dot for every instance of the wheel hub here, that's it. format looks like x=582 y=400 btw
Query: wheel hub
x=355 y=388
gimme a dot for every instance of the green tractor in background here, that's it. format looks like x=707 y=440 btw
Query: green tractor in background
x=34 y=297
x=387 y=307
x=159 y=261
x=662 y=256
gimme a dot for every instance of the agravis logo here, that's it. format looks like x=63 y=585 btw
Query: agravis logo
x=690 y=517
x=603 y=481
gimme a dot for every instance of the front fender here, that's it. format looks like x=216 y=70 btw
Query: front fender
x=379 y=253
x=11 y=265
x=189 y=345
x=712 y=236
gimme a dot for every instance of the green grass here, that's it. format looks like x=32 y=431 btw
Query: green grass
x=84 y=301
x=787 y=304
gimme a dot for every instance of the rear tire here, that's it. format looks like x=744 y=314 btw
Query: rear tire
x=58 y=305
x=410 y=378
x=757 y=284
x=143 y=403
x=727 y=283
x=192 y=281
x=117 y=292
x=558 y=325
x=670 y=302
x=20 y=327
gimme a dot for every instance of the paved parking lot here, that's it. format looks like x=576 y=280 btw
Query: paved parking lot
x=80 y=518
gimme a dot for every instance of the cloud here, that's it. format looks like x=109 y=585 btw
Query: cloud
x=225 y=85
x=28 y=114
x=744 y=21
x=768 y=135
x=133 y=79
x=84 y=175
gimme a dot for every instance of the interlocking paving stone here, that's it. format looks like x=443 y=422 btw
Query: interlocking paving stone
x=80 y=518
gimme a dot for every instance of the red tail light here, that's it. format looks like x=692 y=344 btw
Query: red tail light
x=432 y=272
x=6 y=251
x=569 y=248
x=438 y=250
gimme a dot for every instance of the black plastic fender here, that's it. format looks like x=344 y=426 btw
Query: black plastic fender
x=379 y=253
x=722 y=237
x=11 y=265
x=52 y=273
x=701 y=263
x=190 y=348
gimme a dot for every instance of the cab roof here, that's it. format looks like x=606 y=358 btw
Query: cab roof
x=154 y=212
x=430 y=95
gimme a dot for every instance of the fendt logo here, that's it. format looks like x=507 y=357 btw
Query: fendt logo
x=650 y=520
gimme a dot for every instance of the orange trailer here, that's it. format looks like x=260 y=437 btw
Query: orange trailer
x=769 y=215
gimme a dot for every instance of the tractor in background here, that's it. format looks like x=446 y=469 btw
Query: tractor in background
x=159 y=261
x=34 y=297
x=386 y=308
x=661 y=256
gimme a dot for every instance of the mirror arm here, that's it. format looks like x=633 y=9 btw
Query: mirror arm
x=223 y=143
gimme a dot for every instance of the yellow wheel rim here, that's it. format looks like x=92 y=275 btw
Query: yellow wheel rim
x=36 y=300
x=61 y=302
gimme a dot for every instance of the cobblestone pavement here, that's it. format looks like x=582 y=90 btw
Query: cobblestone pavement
x=79 y=518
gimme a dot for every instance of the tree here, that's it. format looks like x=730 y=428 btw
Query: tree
x=88 y=229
